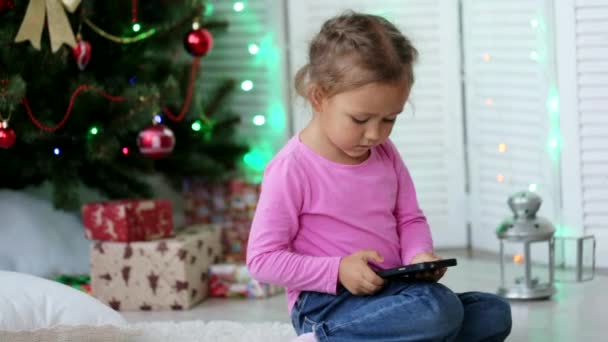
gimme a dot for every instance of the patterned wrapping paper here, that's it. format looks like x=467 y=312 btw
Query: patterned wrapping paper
x=128 y=220
x=168 y=274
x=231 y=205
x=233 y=280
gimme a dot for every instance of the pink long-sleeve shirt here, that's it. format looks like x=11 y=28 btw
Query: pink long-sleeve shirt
x=312 y=212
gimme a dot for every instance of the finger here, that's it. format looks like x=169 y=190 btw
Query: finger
x=425 y=276
x=368 y=287
x=372 y=277
x=372 y=255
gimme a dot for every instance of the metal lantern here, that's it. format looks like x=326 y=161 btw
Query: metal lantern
x=527 y=256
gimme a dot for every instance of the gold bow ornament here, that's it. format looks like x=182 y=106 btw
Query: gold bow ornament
x=60 y=30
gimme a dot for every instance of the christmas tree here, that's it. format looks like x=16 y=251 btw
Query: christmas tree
x=103 y=92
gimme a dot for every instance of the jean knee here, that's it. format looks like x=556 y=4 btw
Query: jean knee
x=445 y=311
x=501 y=313
x=489 y=310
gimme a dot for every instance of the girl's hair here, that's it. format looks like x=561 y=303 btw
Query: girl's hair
x=355 y=49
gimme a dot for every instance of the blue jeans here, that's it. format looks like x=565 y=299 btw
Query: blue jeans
x=403 y=311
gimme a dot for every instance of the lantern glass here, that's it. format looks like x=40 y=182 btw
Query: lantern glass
x=575 y=258
x=527 y=269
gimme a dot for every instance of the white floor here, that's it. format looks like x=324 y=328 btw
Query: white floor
x=574 y=314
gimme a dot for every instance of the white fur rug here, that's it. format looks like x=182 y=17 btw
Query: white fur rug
x=215 y=331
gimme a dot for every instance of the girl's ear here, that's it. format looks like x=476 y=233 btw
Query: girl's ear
x=316 y=98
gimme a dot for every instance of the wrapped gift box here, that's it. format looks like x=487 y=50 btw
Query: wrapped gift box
x=231 y=204
x=128 y=220
x=233 y=280
x=167 y=274
x=205 y=202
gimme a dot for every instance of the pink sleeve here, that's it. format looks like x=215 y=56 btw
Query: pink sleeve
x=414 y=232
x=275 y=225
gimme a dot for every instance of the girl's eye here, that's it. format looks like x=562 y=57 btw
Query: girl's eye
x=390 y=120
x=359 y=122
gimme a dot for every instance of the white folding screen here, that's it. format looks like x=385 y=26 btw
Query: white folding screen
x=512 y=110
x=429 y=134
x=251 y=51
x=582 y=48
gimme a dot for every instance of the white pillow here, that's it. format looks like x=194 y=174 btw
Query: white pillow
x=29 y=303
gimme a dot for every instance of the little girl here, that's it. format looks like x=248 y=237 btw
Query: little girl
x=338 y=202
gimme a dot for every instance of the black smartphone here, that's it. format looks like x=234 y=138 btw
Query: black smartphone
x=410 y=271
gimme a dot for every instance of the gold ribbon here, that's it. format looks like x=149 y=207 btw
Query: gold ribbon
x=60 y=30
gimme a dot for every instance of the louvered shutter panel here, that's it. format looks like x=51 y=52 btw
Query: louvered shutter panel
x=583 y=48
x=429 y=133
x=260 y=22
x=509 y=77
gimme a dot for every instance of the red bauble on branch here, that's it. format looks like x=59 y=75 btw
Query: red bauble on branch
x=82 y=53
x=6 y=5
x=156 y=141
x=7 y=135
x=198 y=42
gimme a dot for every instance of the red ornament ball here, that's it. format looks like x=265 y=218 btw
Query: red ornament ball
x=198 y=43
x=6 y=5
x=156 y=141
x=82 y=54
x=7 y=136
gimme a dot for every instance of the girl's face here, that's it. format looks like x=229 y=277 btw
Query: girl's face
x=354 y=121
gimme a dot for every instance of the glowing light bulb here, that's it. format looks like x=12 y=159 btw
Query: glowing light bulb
x=238 y=6
x=502 y=148
x=125 y=150
x=247 y=85
x=534 y=56
x=56 y=151
x=553 y=143
x=136 y=27
x=534 y=23
x=196 y=126
x=489 y=101
x=259 y=120
x=500 y=178
x=518 y=258
x=253 y=49
x=486 y=57
x=94 y=130
x=158 y=118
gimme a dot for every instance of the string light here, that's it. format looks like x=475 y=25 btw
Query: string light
x=553 y=104
x=502 y=148
x=125 y=151
x=247 y=85
x=94 y=130
x=533 y=187
x=534 y=56
x=534 y=23
x=56 y=151
x=158 y=118
x=259 y=120
x=553 y=143
x=256 y=159
x=486 y=57
x=238 y=6
x=196 y=126
x=136 y=27
x=208 y=9
x=500 y=178
x=253 y=49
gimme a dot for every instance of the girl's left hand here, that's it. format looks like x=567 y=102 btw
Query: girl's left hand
x=429 y=275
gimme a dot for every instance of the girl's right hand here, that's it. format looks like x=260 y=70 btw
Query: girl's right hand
x=356 y=275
